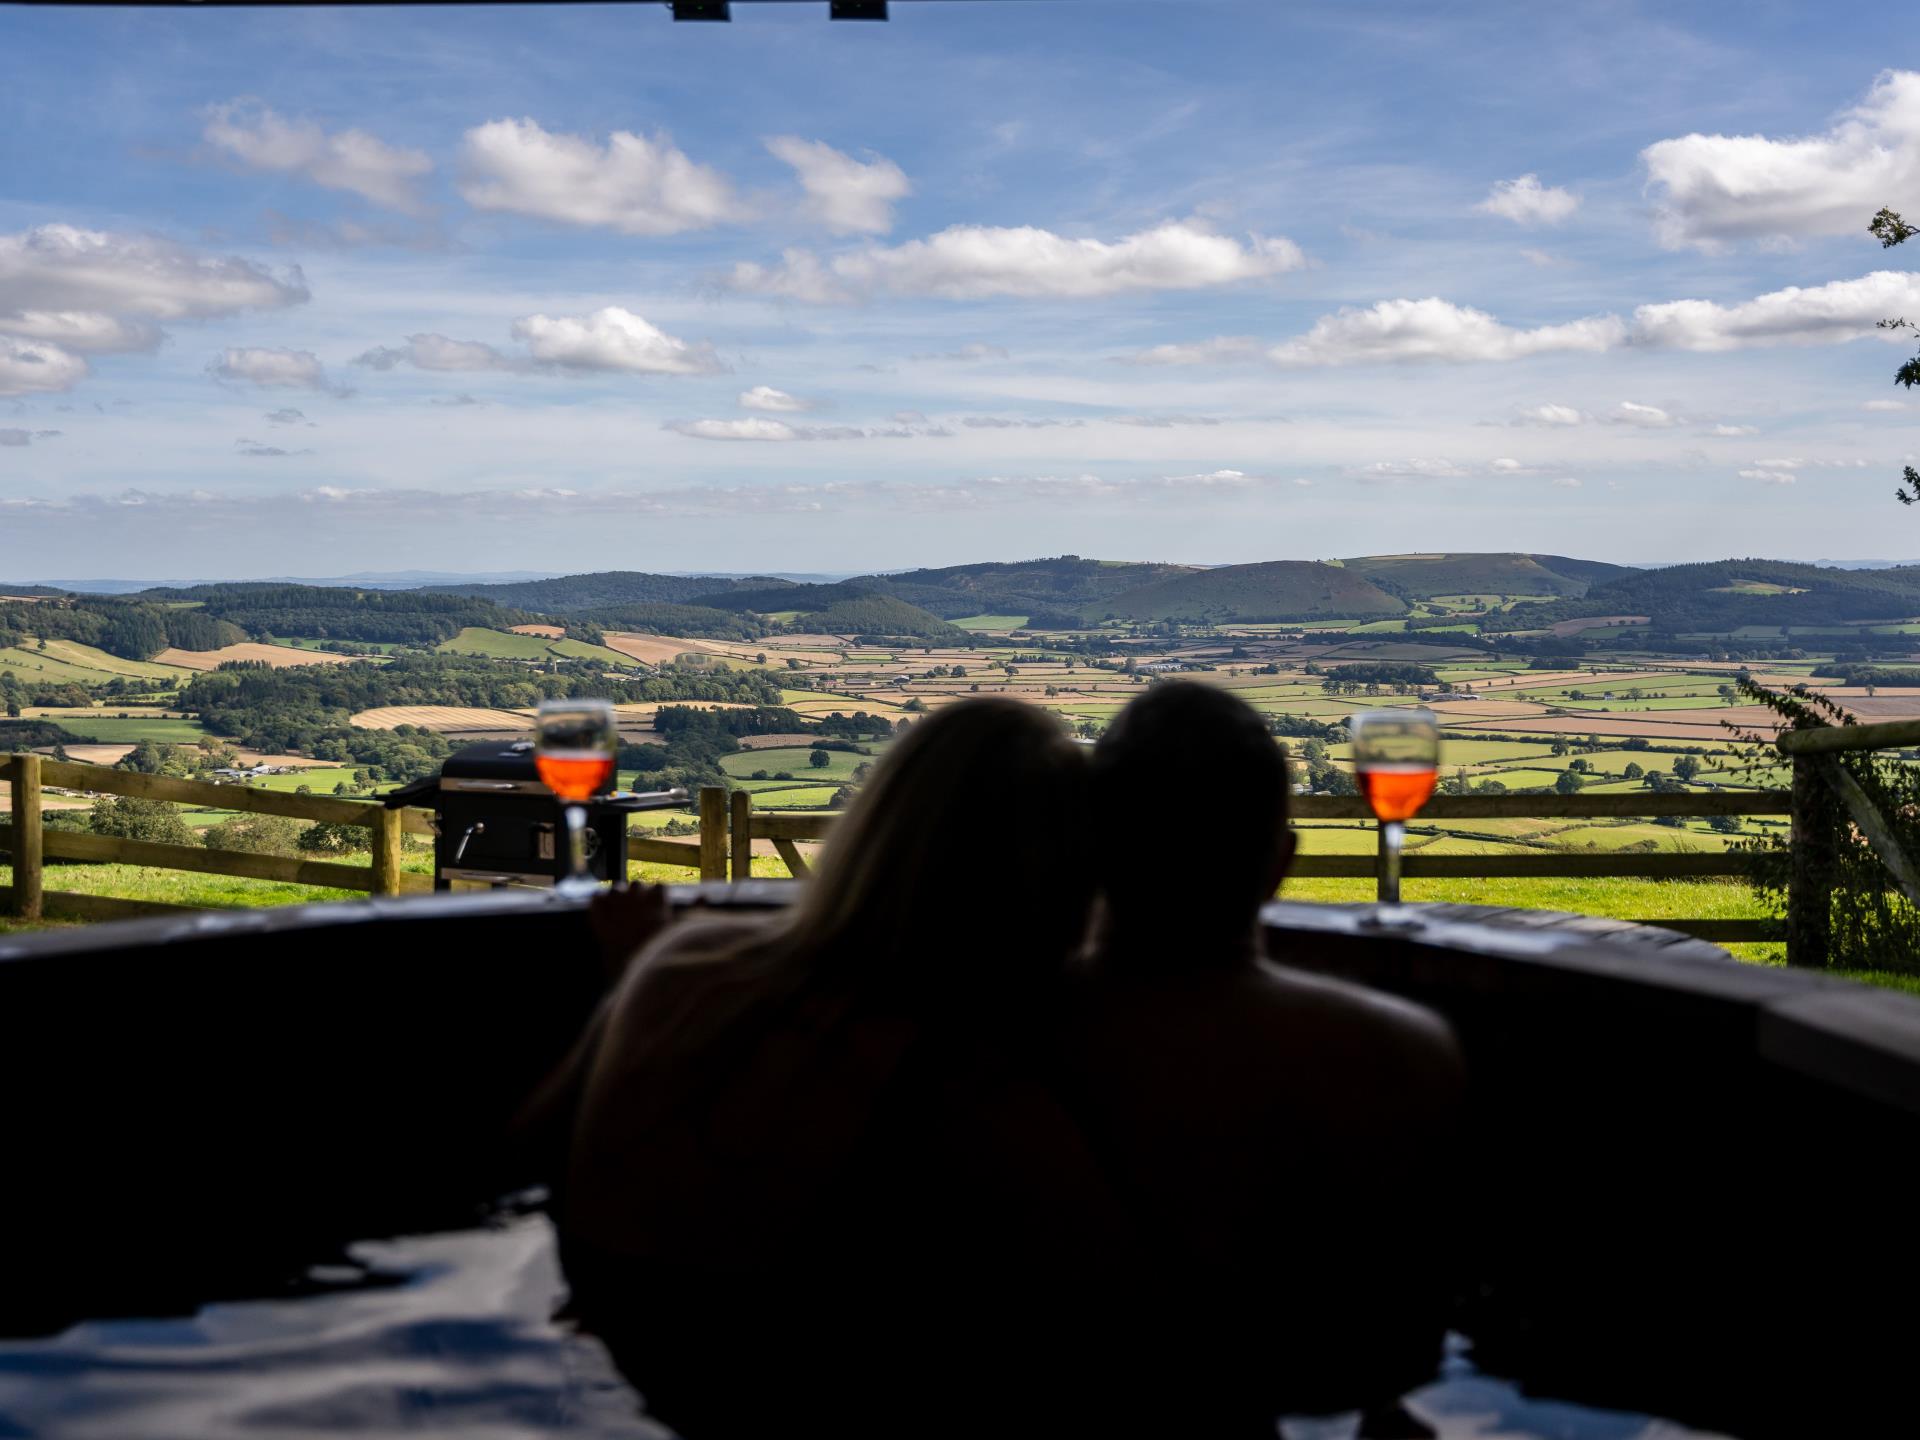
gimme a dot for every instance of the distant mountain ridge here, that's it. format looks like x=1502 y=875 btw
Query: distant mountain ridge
x=1422 y=576
x=1724 y=596
x=1066 y=590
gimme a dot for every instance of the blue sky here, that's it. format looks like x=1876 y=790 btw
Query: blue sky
x=319 y=291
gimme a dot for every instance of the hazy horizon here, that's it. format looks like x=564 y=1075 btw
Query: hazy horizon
x=485 y=290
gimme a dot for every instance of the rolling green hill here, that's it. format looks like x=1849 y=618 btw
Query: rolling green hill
x=1726 y=596
x=1271 y=590
x=1422 y=576
x=568 y=593
x=502 y=645
x=882 y=616
x=1065 y=585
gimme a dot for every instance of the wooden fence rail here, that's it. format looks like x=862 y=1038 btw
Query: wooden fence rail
x=729 y=826
x=30 y=844
x=786 y=831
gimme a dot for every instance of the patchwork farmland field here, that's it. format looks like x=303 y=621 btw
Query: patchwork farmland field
x=276 y=655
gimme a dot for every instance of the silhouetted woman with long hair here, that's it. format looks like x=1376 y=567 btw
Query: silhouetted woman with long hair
x=815 y=1177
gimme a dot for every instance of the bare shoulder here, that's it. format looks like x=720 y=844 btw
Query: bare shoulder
x=1335 y=1007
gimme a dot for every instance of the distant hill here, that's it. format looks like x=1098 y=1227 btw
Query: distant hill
x=1062 y=587
x=764 y=597
x=883 y=616
x=1271 y=590
x=325 y=612
x=1722 y=596
x=568 y=593
x=1422 y=576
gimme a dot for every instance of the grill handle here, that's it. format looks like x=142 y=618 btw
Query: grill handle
x=479 y=827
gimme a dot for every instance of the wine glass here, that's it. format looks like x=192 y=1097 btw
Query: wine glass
x=576 y=744
x=1396 y=755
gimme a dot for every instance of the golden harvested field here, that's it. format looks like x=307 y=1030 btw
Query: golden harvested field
x=98 y=754
x=448 y=719
x=549 y=632
x=279 y=762
x=653 y=649
x=1488 y=709
x=275 y=655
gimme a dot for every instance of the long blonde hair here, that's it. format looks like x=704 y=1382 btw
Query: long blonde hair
x=959 y=861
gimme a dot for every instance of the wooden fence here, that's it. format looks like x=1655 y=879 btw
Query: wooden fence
x=1821 y=795
x=30 y=844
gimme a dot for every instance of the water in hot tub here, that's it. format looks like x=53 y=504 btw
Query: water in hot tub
x=458 y=1338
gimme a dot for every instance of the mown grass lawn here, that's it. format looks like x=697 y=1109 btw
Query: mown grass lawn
x=109 y=729
x=840 y=763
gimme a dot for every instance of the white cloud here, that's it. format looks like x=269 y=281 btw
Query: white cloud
x=612 y=339
x=636 y=185
x=1414 y=469
x=765 y=397
x=62 y=268
x=437 y=352
x=1568 y=482
x=28 y=367
x=1713 y=189
x=1819 y=315
x=975 y=262
x=1549 y=415
x=1506 y=466
x=1001 y=422
x=83 y=331
x=985 y=495
x=349 y=160
x=1800 y=462
x=1221 y=350
x=273 y=369
x=1729 y=432
x=848 y=196
x=1888 y=406
x=907 y=425
x=1647 y=417
x=1526 y=202
x=1434 y=329
x=1768 y=477
x=750 y=429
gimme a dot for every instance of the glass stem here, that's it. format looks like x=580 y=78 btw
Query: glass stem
x=1393 y=834
x=577 y=842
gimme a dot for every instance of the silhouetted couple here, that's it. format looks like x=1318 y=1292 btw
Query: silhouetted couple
x=948 y=1147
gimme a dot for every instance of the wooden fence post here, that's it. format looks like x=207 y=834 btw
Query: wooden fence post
x=27 y=866
x=742 y=830
x=385 y=834
x=1812 y=863
x=713 y=833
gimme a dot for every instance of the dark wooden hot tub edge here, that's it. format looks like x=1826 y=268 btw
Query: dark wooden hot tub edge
x=1682 y=1191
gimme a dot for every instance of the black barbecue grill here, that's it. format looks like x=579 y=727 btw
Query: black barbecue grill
x=495 y=823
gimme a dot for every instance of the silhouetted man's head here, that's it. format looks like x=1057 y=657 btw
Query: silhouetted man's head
x=1194 y=755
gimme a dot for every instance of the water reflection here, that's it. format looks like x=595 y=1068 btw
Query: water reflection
x=452 y=1334
x=465 y=1345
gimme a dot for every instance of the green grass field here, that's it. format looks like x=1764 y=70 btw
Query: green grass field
x=109 y=729
x=840 y=763
x=504 y=645
x=991 y=622
x=319 y=781
x=65 y=663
